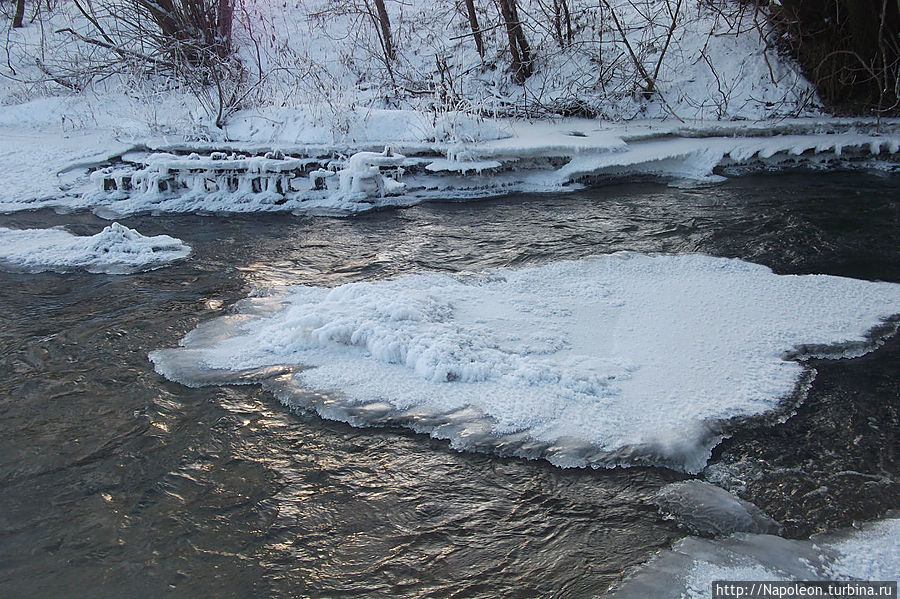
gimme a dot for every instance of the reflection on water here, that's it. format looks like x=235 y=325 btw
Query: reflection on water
x=114 y=481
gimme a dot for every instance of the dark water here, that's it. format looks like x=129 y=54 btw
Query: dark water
x=115 y=482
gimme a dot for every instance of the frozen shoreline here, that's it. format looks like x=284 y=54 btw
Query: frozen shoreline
x=274 y=170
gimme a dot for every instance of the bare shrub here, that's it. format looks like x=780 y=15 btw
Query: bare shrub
x=849 y=49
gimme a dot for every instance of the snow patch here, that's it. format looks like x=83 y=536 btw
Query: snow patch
x=114 y=250
x=462 y=166
x=872 y=553
x=302 y=127
x=621 y=359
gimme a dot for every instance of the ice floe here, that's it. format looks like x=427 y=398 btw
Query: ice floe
x=114 y=250
x=619 y=359
x=688 y=570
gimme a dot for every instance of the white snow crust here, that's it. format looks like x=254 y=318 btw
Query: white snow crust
x=688 y=570
x=114 y=250
x=872 y=553
x=619 y=359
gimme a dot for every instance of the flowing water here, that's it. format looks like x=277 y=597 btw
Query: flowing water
x=116 y=482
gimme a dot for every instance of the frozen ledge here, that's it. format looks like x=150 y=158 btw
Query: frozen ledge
x=235 y=177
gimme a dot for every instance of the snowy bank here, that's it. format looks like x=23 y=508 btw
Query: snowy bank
x=269 y=171
x=706 y=60
x=621 y=359
x=320 y=95
x=114 y=250
x=688 y=570
x=537 y=157
x=286 y=160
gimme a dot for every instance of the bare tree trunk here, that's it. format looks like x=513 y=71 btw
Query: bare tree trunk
x=557 y=24
x=224 y=23
x=568 y=18
x=385 y=23
x=476 y=30
x=20 y=13
x=524 y=49
x=518 y=45
x=513 y=43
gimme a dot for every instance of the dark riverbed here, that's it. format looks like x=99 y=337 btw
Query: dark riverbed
x=115 y=482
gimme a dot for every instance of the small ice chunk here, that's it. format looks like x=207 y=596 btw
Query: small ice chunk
x=361 y=177
x=707 y=510
x=114 y=250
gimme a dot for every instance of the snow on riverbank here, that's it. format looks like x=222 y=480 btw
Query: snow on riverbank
x=114 y=250
x=622 y=359
x=540 y=159
x=49 y=168
x=689 y=569
x=706 y=60
x=278 y=169
x=322 y=94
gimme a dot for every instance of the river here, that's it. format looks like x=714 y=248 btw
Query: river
x=115 y=481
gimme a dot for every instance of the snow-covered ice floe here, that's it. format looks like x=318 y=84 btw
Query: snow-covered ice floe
x=114 y=250
x=622 y=359
x=688 y=570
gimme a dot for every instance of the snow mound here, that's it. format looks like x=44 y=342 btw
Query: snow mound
x=688 y=570
x=705 y=509
x=114 y=250
x=621 y=359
